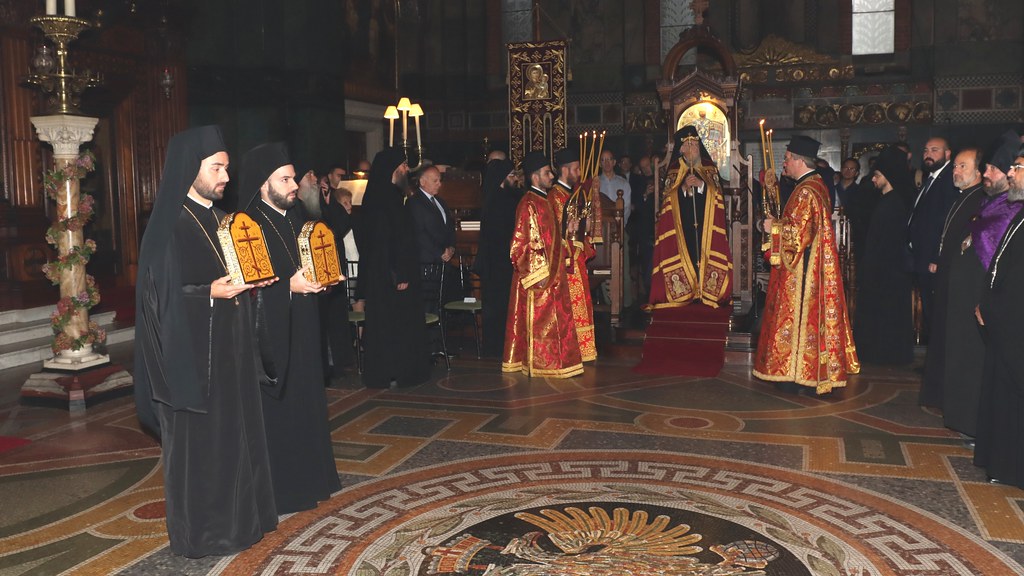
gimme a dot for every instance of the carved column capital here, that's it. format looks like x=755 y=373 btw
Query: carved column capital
x=64 y=132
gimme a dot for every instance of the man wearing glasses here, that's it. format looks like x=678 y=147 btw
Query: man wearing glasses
x=1000 y=440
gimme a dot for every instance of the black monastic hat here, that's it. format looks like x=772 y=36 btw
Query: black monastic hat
x=533 y=162
x=803 y=146
x=566 y=156
x=1003 y=151
x=257 y=165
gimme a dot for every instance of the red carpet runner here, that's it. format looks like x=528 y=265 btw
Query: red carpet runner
x=687 y=341
x=10 y=443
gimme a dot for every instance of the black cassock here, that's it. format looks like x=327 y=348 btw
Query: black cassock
x=883 y=326
x=999 y=444
x=295 y=410
x=956 y=352
x=217 y=477
x=497 y=225
x=395 y=336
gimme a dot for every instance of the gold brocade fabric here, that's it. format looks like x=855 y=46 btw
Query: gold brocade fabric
x=540 y=335
x=805 y=332
x=674 y=281
x=577 y=252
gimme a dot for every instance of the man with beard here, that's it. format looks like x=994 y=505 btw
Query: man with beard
x=1000 y=441
x=295 y=409
x=568 y=200
x=540 y=339
x=927 y=218
x=955 y=350
x=497 y=224
x=805 y=334
x=197 y=374
x=395 y=334
x=691 y=251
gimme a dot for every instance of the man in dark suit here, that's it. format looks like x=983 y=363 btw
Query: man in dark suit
x=931 y=206
x=435 y=227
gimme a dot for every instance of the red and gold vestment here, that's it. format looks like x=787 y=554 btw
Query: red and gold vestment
x=577 y=249
x=805 y=331
x=674 y=280
x=540 y=336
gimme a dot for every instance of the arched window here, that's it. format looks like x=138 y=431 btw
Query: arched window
x=874 y=27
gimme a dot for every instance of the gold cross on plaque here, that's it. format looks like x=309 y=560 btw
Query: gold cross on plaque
x=322 y=249
x=248 y=240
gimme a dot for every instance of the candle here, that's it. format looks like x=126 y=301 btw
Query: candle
x=419 y=142
x=51 y=7
x=69 y=8
x=583 y=176
x=764 y=148
x=593 y=160
x=391 y=113
x=403 y=105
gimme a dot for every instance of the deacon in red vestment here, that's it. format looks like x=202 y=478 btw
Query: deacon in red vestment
x=570 y=200
x=805 y=331
x=691 y=250
x=540 y=336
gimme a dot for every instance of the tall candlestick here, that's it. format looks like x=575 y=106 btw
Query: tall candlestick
x=69 y=8
x=391 y=133
x=771 y=151
x=51 y=7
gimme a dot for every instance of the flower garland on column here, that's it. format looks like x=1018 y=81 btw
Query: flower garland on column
x=67 y=306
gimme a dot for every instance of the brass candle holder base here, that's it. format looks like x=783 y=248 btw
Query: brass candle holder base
x=63 y=88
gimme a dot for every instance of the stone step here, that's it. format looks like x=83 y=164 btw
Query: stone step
x=14 y=332
x=37 y=349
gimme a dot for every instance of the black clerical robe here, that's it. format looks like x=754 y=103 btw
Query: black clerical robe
x=999 y=444
x=295 y=410
x=217 y=478
x=883 y=325
x=394 y=336
x=956 y=352
x=334 y=327
x=496 y=228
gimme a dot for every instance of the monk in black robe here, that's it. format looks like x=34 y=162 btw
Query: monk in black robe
x=498 y=222
x=197 y=375
x=955 y=348
x=883 y=325
x=295 y=409
x=395 y=337
x=1000 y=440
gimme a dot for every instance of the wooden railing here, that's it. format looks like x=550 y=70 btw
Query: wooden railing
x=609 y=263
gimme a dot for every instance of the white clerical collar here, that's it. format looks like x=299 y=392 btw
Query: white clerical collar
x=564 y=185
x=276 y=209
x=539 y=191
x=201 y=201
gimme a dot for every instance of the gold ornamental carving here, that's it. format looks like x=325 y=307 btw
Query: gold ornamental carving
x=777 y=60
x=832 y=115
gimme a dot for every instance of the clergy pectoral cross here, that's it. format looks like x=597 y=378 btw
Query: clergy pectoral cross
x=248 y=240
x=322 y=249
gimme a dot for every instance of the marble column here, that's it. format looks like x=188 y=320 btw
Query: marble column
x=66 y=134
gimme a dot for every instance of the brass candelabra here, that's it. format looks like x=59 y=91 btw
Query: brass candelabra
x=62 y=86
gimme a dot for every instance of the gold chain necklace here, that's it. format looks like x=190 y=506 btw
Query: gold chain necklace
x=278 y=232
x=207 y=234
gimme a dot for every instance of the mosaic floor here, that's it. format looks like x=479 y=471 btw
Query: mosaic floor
x=489 y=474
